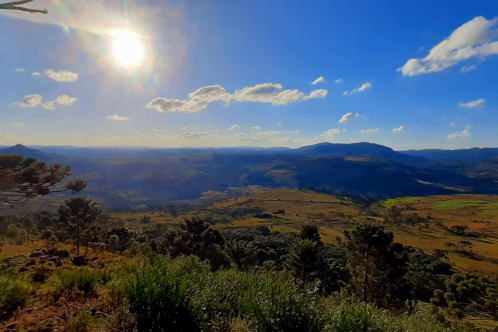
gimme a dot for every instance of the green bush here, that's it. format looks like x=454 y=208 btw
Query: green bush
x=84 y=322
x=13 y=295
x=361 y=317
x=184 y=295
x=84 y=279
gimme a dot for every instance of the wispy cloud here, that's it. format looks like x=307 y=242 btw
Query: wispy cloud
x=461 y=134
x=339 y=80
x=159 y=128
x=20 y=70
x=18 y=125
x=116 y=117
x=234 y=127
x=320 y=79
x=466 y=69
x=346 y=117
x=474 y=39
x=473 y=104
x=370 y=131
x=397 y=130
x=363 y=87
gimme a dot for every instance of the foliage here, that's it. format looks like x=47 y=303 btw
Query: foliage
x=84 y=279
x=377 y=265
x=361 y=317
x=13 y=295
x=15 y=6
x=78 y=212
x=469 y=295
x=184 y=295
x=84 y=322
x=22 y=179
x=392 y=202
x=194 y=237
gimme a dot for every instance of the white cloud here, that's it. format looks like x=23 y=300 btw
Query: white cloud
x=339 y=80
x=476 y=38
x=268 y=133
x=346 y=117
x=473 y=104
x=134 y=132
x=283 y=140
x=291 y=132
x=18 y=125
x=65 y=28
x=36 y=73
x=49 y=105
x=370 y=131
x=65 y=100
x=452 y=124
x=279 y=123
x=62 y=75
x=200 y=99
x=461 y=134
x=363 y=87
x=241 y=135
x=20 y=70
x=29 y=101
x=185 y=128
x=400 y=128
x=320 y=79
x=195 y=134
x=116 y=117
x=466 y=69
x=234 y=127
x=330 y=134
x=159 y=128
x=256 y=128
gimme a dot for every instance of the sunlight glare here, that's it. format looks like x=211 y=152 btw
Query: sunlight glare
x=128 y=48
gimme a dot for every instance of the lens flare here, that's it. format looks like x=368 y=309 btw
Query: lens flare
x=128 y=48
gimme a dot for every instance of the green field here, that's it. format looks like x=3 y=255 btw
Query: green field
x=391 y=202
x=461 y=204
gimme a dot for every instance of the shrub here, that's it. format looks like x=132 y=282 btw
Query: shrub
x=361 y=317
x=84 y=279
x=13 y=295
x=184 y=295
x=84 y=322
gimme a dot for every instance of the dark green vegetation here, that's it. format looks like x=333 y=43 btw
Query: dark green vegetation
x=362 y=168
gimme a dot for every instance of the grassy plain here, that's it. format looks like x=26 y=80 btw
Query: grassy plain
x=478 y=212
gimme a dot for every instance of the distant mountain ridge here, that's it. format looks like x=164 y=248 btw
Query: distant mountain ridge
x=321 y=149
x=375 y=170
x=465 y=155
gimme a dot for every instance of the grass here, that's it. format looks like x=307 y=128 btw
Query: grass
x=461 y=204
x=392 y=202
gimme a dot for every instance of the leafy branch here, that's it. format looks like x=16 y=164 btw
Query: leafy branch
x=15 y=6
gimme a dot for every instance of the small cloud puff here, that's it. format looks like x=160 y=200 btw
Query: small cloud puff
x=116 y=117
x=320 y=79
x=473 y=104
x=397 y=130
x=18 y=125
x=234 y=127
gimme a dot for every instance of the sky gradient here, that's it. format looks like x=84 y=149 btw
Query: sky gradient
x=250 y=73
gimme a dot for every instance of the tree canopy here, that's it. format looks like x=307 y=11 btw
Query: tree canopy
x=22 y=179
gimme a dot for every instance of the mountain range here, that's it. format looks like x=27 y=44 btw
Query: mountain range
x=131 y=176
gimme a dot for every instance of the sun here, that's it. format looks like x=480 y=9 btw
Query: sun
x=128 y=48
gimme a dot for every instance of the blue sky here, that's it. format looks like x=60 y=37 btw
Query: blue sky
x=240 y=73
